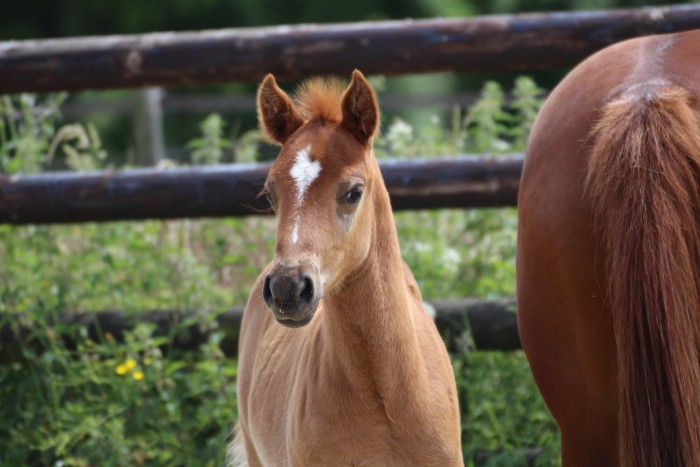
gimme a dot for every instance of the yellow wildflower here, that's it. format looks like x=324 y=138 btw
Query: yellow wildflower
x=123 y=368
x=137 y=375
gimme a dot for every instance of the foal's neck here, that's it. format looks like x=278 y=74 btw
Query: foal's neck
x=370 y=314
x=377 y=286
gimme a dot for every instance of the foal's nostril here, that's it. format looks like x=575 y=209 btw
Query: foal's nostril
x=267 y=291
x=306 y=295
x=289 y=294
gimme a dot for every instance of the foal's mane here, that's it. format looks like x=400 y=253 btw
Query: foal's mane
x=320 y=99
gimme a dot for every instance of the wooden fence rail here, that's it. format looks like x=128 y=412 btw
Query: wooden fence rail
x=506 y=42
x=464 y=324
x=233 y=189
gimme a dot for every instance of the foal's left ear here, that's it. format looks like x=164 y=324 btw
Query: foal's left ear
x=360 y=109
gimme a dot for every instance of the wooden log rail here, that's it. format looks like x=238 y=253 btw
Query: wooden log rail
x=464 y=324
x=233 y=189
x=488 y=43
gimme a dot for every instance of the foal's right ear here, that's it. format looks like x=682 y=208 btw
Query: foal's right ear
x=276 y=112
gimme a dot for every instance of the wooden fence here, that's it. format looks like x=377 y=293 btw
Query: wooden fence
x=485 y=43
x=233 y=189
x=465 y=325
x=514 y=42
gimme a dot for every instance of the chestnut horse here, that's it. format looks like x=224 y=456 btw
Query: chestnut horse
x=339 y=364
x=609 y=255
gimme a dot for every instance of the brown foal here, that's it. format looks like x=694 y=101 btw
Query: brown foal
x=338 y=362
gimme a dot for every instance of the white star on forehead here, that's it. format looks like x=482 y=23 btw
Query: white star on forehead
x=304 y=171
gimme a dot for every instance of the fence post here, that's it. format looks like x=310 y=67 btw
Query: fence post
x=148 y=126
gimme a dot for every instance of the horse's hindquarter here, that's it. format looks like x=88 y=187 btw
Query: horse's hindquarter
x=564 y=327
x=565 y=324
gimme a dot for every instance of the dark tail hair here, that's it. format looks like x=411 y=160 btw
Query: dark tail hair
x=643 y=181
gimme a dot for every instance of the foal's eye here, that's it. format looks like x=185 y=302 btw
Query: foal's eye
x=354 y=195
x=268 y=198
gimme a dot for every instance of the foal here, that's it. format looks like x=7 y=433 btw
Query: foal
x=338 y=362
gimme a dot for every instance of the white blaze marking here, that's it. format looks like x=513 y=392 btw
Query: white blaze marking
x=304 y=172
x=295 y=232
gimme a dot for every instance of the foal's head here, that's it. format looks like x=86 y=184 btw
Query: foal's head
x=320 y=188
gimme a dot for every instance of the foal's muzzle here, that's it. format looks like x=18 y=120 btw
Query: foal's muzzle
x=292 y=293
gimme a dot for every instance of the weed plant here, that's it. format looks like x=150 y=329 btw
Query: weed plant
x=142 y=402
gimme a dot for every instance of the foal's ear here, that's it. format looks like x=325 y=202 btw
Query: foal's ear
x=360 y=109
x=276 y=112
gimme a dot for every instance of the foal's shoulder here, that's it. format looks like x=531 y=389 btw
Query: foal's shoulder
x=411 y=283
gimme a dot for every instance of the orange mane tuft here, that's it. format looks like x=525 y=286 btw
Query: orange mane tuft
x=320 y=99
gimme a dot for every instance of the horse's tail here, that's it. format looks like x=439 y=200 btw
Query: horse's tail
x=643 y=182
